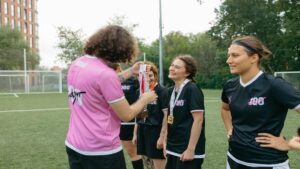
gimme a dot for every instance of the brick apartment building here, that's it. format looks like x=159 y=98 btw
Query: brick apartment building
x=21 y=14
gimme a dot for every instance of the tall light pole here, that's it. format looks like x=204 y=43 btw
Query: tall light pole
x=25 y=71
x=161 y=72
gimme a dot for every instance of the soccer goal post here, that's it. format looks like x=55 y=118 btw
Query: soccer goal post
x=32 y=81
x=292 y=77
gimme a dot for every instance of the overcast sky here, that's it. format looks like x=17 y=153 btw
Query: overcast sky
x=187 y=16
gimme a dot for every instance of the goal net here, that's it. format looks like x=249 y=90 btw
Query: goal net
x=293 y=77
x=20 y=81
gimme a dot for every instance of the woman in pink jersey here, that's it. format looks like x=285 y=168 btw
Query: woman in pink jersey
x=97 y=102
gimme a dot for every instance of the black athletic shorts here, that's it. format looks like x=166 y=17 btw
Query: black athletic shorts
x=79 y=161
x=147 y=137
x=126 y=132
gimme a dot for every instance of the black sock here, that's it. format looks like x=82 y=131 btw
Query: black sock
x=138 y=164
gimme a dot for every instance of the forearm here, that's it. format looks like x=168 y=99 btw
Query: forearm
x=135 y=129
x=163 y=130
x=226 y=117
x=195 y=135
x=126 y=74
x=137 y=107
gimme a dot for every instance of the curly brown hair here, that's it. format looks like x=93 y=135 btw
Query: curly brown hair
x=112 y=43
x=190 y=65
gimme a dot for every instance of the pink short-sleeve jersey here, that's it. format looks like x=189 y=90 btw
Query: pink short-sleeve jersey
x=94 y=127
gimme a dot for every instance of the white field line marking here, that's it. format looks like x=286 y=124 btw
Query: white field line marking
x=33 y=110
x=15 y=94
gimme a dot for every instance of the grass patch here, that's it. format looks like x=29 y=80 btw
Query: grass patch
x=35 y=139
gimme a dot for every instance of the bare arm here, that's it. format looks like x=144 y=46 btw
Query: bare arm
x=131 y=71
x=189 y=153
x=134 y=138
x=271 y=141
x=297 y=110
x=227 y=119
x=294 y=143
x=127 y=112
x=163 y=131
x=279 y=143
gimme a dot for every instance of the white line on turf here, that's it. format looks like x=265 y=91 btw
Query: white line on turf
x=33 y=110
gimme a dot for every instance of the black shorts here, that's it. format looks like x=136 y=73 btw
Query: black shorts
x=147 y=137
x=79 y=161
x=174 y=162
x=126 y=132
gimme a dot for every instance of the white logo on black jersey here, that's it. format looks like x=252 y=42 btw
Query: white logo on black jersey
x=179 y=103
x=153 y=102
x=125 y=87
x=257 y=101
x=229 y=99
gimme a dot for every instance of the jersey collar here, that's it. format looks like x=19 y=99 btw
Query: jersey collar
x=252 y=80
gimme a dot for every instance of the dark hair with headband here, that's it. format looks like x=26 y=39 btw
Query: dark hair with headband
x=253 y=46
x=190 y=65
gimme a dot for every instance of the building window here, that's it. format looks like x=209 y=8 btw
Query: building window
x=29 y=16
x=12 y=10
x=5 y=20
x=19 y=12
x=24 y=3
x=5 y=8
x=36 y=30
x=25 y=14
x=19 y=25
x=29 y=3
x=30 y=29
x=25 y=27
x=35 y=17
x=13 y=24
x=30 y=42
x=35 y=6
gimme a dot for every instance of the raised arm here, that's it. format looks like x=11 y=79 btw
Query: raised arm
x=127 y=112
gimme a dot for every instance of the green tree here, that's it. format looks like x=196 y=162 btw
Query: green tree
x=200 y=46
x=12 y=45
x=275 y=22
x=70 y=43
x=289 y=44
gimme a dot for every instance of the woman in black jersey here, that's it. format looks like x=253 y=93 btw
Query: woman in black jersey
x=254 y=108
x=150 y=130
x=185 y=144
x=129 y=87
